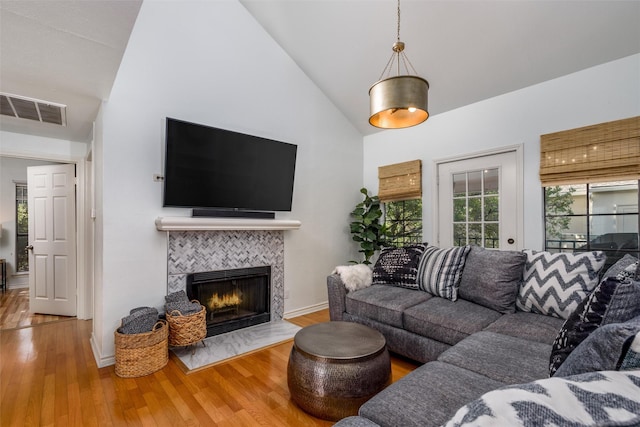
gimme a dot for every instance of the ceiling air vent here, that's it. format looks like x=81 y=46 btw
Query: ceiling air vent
x=33 y=109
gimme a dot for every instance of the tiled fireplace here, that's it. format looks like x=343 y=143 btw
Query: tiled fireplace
x=213 y=251
x=198 y=246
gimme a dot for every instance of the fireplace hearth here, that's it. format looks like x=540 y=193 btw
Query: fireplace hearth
x=234 y=299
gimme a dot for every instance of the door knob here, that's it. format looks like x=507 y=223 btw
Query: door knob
x=510 y=241
x=29 y=248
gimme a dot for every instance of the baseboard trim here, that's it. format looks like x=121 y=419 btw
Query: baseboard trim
x=306 y=310
x=101 y=361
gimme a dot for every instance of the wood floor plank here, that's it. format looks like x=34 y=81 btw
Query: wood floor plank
x=49 y=378
x=14 y=311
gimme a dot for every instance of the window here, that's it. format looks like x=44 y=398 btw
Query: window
x=400 y=191
x=404 y=221
x=22 y=229
x=476 y=202
x=595 y=216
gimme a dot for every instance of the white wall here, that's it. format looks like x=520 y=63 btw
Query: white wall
x=211 y=63
x=600 y=94
x=12 y=170
x=38 y=147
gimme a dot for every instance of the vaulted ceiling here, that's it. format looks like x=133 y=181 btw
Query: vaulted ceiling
x=68 y=52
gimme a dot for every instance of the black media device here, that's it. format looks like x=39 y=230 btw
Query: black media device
x=222 y=173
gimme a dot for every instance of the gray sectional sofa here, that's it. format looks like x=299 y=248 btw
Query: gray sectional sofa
x=488 y=335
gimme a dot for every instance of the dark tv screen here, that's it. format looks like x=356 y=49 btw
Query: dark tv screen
x=207 y=167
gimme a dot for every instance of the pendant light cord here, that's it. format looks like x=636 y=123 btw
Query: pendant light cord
x=398 y=20
x=398 y=56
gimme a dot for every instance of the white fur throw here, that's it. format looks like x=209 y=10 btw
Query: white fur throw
x=357 y=276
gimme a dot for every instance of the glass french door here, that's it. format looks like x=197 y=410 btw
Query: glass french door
x=478 y=202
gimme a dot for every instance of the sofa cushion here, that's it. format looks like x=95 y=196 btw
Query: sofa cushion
x=448 y=321
x=601 y=350
x=531 y=326
x=555 y=283
x=627 y=266
x=440 y=270
x=382 y=303
x=492 y=278
x=613 y=301
x=427 y=397
x=398 y=266
x=510 y=360
x=414 y=346
x=607 y=398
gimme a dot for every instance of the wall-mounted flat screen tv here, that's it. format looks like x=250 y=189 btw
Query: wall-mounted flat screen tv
x=207 y=167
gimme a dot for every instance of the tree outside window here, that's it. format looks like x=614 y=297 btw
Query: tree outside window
x=403 y=220
x=593 y=217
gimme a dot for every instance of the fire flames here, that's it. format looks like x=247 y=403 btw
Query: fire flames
x=217 y=302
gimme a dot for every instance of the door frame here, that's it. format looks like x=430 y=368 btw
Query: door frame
x=435 y=187
x=83 y=284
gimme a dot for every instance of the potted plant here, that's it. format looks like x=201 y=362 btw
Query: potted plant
x=366 y=228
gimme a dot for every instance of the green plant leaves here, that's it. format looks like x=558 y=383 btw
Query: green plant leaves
x=366 y=227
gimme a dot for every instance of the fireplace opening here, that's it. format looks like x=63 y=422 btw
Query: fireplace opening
x=233 y=299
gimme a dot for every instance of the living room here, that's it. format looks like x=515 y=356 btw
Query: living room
x=212 y=63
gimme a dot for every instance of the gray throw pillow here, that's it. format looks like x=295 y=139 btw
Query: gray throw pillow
x=626 y=266
x=631 y=358
x=492 y=278
x=601 y=350
x=613 y=301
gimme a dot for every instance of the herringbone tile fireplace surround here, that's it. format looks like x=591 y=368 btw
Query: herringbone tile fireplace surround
x=200 y=251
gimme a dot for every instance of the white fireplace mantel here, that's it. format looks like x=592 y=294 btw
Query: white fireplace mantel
x=186 y=223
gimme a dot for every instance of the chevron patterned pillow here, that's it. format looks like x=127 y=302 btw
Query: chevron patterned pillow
x=555 y=283
x=604 y=398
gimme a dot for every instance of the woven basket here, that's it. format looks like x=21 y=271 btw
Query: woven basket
x=142 y=354
x=187 y=330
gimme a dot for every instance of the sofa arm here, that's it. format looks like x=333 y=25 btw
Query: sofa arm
x=337 y=293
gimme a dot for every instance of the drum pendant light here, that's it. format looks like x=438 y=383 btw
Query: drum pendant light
x=398 y=101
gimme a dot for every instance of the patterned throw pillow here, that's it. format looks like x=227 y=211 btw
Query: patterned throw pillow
x=627 y=266
x=601 y=350
x=555 y=283
x=606 y=398
x=398 y=266
x=440 y=270
x=613 y=301
x=631 y=272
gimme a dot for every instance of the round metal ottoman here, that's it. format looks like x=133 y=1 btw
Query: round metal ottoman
x=335 y=367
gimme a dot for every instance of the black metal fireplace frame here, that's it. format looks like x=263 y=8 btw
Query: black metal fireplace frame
x=208 y=277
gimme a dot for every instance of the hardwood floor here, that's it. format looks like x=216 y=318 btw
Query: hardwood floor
x=48 y=377
x=14 y=311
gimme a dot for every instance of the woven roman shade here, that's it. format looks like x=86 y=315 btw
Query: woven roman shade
x=603 y=152
x=400 y=181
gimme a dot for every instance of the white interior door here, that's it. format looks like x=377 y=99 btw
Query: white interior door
x=52 y=239
x=478 y=202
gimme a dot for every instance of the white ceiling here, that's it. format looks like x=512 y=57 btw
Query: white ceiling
x=68 y=51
